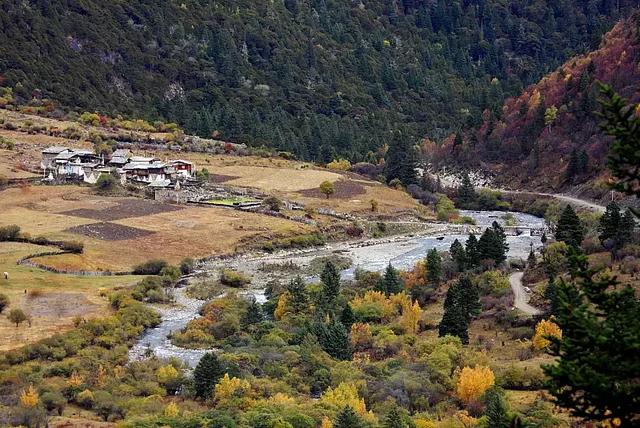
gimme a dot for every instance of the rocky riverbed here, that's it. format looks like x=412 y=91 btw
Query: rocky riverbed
x=373 y=255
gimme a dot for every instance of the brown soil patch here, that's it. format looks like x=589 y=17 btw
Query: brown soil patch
x=58 y=305
x=344 y=190
x=124 y=209
x=221 y=178
x=109 y=231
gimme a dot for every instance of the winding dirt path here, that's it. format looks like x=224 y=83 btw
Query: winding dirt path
x=520 y=295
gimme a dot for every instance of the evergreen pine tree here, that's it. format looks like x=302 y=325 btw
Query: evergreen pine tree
x=569 y=228
x=616 y=229
x=473 y=254
x=469 y=297
x=531 y=260
x=336 y=341
x=496 y=410
x=466 y=192
x=348 y=418
x=347 y=317
x=254 y=314
x=330 y=278
x=501 y=243
x=400 y=162
x=299 y=299
x=459 y=255
x=434 y=267
x=454 y=321
x=550 y=295
x=391 y=282
x=572 y=166
x=394 y=419
x=595 y=371
x=206 y=375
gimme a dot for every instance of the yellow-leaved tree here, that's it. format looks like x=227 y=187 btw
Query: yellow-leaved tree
x=75 y=380
x=167 y=374
x=326 y=423
x=473 y=382
x=29 y=397
x=346 y=394
x=424 y=423
x=229 y=388
x=172 y=410
x=339 y=165
x=101 y=377
x=544 y=329
x=282 y=307
x=410 y=318
x=361 y=336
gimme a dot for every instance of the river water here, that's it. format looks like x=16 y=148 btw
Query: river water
x=401 y=252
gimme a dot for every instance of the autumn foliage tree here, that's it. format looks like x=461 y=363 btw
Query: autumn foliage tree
x=544 y=330
x=473 y=382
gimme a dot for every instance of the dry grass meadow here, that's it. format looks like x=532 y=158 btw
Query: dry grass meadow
x=52 y=300
x=170 y=233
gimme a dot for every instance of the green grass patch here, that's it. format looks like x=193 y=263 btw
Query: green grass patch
x=231 y=202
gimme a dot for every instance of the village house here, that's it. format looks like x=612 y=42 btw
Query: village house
x=80 y=164
x=120 y=158
x=182 y=168
x=147 y=172
x=49 y=154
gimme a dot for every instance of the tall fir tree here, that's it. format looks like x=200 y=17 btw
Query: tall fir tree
x=391 y=282
x=492 y=245
x=496 y=410
x=595 y=371
x=459 y=255
x=253 y=315
x=330 y=278
x=434 y=267
x=206 y=375
x=569 y=228
x=400 y=160
x=454 y=322
x=616 y=229
x=299 y=299
x=394 y=419
x=501 y=242
x=347 y=317
x=473 y=254
x=348 y=418
x=466 y=192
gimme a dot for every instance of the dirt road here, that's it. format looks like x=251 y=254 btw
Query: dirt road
x=520 y=296
x=576 y=202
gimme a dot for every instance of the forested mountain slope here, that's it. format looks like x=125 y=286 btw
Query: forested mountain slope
x=317 y=77
x=548 y=137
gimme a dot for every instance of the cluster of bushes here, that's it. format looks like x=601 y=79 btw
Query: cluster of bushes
x=12 y=233
x=151 y=267
x=9 y=233
x=299 y=241
x=233 y=278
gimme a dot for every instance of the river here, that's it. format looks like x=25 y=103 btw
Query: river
x=402 y=252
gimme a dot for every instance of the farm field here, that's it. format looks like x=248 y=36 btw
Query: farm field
x=120 y=232
x=299 y=182
x=52 y=300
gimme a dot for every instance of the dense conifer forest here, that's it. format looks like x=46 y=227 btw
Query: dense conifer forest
x=319 y=78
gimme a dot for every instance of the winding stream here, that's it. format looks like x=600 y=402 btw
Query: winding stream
x=402 y=252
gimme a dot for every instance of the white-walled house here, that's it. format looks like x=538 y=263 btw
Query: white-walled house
x=146 y=172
